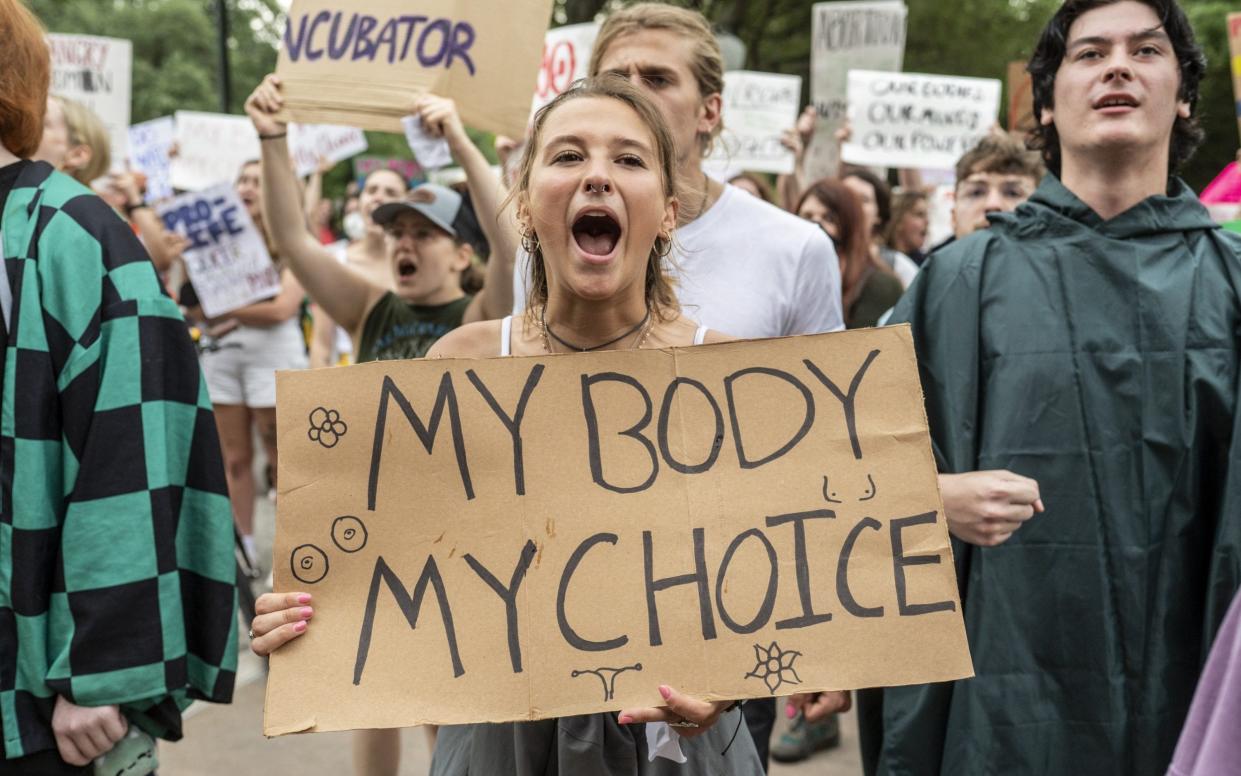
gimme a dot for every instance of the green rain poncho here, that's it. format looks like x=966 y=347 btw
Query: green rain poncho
x=1101 y=359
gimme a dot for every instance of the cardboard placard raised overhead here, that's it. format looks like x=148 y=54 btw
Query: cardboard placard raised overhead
x=525 y=538
x=914 y=120
x=227 y=260
x=758 y=108
x=846 y=35
x=97 y=72
x=364 y=66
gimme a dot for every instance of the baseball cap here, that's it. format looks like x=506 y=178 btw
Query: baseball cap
x=440 y=205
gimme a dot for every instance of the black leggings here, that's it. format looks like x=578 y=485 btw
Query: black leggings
x=43 y=764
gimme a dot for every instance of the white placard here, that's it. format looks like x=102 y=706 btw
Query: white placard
x=308 y=143
x=864 y=35
x=758 y=108
x=150 y=146
x=431 y=152
x=97 y=72
x=227 y=260
x=566 y=58
x=211 y=147
x=914 y=120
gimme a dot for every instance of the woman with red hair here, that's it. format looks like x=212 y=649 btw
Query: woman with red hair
x=109 y=625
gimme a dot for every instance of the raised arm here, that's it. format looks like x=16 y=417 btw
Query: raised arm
x=440 y=118
x=345 y=296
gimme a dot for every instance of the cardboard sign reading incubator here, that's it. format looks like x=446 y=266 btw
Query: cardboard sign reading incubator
x=345 y=63
x=909 y=120
x=525 y=538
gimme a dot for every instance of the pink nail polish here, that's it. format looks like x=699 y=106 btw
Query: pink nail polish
x=789 y=711
x=625 y=719
x=299 y=626
x=305 y=612
x=665 y=691
x=304 y=598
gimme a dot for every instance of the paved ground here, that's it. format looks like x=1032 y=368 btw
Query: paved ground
x=228 y=740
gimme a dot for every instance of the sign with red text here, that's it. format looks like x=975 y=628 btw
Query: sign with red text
x=526 y=538
x=566 y=58
x=1234 y=47
x=914 y=120
x=227 y=260
x=96 y=72
x=363 y=64
x=847 y=35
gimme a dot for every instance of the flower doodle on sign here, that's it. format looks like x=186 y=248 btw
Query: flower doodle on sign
x=326 y=427
x=774 y=666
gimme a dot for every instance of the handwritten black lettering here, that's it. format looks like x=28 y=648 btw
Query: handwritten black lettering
x=571 y=636
x=900 y=561
x=808 y=421
x=843 y=591
x=801 y=561
x=849 y=400
x=699 y=578
x=512 y=423
x=665 y=409
x=410 y=607
x=633 y=432
x=508 y=595
x=773 y=581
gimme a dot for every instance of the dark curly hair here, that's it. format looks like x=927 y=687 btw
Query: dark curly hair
x=1050 y=51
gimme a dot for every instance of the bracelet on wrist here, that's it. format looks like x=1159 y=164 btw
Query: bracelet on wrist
x=130 y=208
x=273 y=136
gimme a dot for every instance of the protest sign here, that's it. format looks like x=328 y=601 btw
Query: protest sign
x=98 y=73
x=914 y=120
x=1234 y=46
x=866 y=35
x=408 y=169
x=211 y=147
x=525 y=538
x=227 y=260
x=1020 y=98
x=364 y=67
x=150 y=147
x=310 y=143
x=431 y=152
x=758 y=108
x=566 y=58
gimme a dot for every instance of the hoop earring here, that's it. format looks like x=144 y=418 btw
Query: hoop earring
x=530 y=243
x=666 y=249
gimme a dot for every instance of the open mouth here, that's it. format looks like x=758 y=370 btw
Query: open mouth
x=405 y=268
x=596 y=233
x=1115 y=101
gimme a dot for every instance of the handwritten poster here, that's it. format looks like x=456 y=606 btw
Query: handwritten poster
x=309 y=143
x=344 y=64
x=913 y=120
x=408 y=169
x=758 y=108
x=566 y=58
x=150 y=153
x=98 y=73
x=211 y=147
x=863 y=35
x=524 y=538
x=227 y=260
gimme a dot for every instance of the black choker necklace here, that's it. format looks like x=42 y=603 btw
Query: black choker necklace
x=578 y=348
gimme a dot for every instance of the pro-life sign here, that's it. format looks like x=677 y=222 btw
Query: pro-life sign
x=525 y=538
x=227 y=260
x=911 y=120
x=96 y=72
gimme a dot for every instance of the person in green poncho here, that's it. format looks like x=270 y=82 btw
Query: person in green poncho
x=1088 y=341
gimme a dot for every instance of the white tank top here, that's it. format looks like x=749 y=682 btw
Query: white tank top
x=506 y=335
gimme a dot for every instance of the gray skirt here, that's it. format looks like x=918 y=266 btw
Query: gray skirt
x=589 y=745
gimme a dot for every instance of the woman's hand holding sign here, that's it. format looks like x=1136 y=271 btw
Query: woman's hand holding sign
x=263 y=104
x=280 y=618
x=690 y=717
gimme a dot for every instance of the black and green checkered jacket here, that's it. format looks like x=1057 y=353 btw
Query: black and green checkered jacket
x=116 y=542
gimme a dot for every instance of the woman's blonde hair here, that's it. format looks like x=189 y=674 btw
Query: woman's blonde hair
x=706 y=61
x=86 y=128
x=660 y=297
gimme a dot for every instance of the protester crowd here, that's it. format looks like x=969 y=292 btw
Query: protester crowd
x=1076 y=333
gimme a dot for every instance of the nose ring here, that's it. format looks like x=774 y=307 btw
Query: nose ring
x=596 y=188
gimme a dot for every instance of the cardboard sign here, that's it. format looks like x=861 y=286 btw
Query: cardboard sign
x=227 y=260
x=211 y=148
x=525 y=538
x=1020 y=98
x=566 y=58
x=308 y=143
x=98 y=73
x=1234 y=46
x=150 y=152
x=758 y=108
x=409 y=169
x=867 y=35
x=362 y=64
x=911 y=120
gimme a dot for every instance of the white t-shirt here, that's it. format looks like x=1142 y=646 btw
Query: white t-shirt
x=748 y=269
